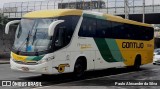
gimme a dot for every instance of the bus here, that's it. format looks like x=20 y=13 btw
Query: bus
x=74 y=41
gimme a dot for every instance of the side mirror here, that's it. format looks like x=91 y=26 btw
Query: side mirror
x=52 y=26
x=10 y=23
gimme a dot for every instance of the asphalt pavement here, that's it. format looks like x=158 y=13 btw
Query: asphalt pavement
x=92 y=80
x=4 y=60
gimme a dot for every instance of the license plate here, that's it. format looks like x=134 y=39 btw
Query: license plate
x=25 y=68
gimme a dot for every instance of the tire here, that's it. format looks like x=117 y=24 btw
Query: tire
x=137 y=62
x=79 y=68
x=154 y=63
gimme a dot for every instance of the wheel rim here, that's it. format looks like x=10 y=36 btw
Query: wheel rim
x=79 y=70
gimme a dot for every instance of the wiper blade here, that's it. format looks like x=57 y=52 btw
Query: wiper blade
x=26 y=39
x=34 y=37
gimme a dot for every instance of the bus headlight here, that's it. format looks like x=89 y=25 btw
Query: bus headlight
x=45 y=60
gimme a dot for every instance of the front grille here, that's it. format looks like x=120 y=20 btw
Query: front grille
x=26 y=63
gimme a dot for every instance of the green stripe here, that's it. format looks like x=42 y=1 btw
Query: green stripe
x=104 y=49
x=34 y=58
x=115 y=50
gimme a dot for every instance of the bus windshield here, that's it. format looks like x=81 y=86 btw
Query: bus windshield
x=32 y=35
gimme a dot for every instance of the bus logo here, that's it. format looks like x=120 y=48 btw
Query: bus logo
x=132 y=45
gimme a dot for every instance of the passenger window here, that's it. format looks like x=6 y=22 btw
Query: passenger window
x=92 y=27
x=88 y=27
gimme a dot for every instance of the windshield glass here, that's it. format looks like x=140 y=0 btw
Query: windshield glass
x=32 y=38
x=32 y=35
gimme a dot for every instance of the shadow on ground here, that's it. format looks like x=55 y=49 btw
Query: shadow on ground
x=64 y=78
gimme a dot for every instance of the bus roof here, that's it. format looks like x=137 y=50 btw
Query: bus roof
x=122 y=20
x=65 y=12
x=52 y=13
x=114 y=18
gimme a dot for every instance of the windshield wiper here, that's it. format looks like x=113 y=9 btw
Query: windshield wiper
x=26 y=39
x=34 y=37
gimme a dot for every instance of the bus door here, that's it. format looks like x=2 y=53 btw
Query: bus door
x=59 y=42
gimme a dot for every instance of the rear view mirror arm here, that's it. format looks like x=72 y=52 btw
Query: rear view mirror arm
x=10 y=23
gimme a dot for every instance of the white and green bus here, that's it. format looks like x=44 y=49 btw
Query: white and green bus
x=69 y=40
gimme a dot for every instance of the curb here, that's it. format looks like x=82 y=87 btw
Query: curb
x=4 y=62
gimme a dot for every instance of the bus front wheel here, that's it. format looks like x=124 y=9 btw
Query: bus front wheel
x=79 y=68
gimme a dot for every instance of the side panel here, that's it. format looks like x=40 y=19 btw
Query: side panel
x=115 y=53
x=81 y=46
x=107 y=53
x=130 y=48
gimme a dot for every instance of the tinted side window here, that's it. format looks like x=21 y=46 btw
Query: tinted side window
x=130 y=31
x=136 y=32
x=69 y=25
x=99 y=28
x=118 y=30
x=104 y=29
x=88 y=27
x=64 y=31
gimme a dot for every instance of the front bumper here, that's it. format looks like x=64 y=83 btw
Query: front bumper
x=44 y=68
x=155 y=61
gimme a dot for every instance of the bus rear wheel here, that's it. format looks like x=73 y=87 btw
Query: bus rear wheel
x=137 y=62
